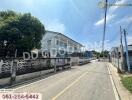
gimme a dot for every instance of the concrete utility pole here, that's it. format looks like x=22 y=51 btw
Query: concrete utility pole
x=122 y=51
x=127 y=56
x=104 y=31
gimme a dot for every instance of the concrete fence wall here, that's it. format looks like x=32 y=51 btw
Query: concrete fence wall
x=74 y=60
x=117 y=63
x=5 y=81
x=7 y=66
x=78 y=61
x=11 y=69
x=24 y=77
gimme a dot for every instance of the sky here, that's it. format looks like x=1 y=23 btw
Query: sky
x=81 y=20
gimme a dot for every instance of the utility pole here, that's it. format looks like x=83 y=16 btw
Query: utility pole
x=122 y=51
x=127 y=56
x=104 y=30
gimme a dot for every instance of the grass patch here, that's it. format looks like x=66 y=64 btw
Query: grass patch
x=127 y=82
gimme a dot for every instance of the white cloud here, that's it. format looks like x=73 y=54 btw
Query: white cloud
x=55 y=25
x=114 y=8
x=97 y=45
x=108 y=18
x=116 y=43
x=129 y=39
x=124 y=20
x=110 y=13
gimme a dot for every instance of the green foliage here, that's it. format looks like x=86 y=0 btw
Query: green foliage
x=22 y=31
x=96 y=53
x=102 y=54
x=127 y=82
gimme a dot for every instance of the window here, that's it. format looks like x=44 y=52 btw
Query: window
x=57 y=42
x=49 y=42
x=75 y=48
x=65 y=45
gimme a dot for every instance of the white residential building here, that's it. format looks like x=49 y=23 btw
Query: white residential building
x=59 y=45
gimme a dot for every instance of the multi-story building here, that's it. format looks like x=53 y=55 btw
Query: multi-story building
x=59 y=45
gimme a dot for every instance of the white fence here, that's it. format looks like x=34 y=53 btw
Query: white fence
x=17 y=70
x=29 y=66
x=5 y=66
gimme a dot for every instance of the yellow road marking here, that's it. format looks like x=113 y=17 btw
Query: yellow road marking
x=65 y=89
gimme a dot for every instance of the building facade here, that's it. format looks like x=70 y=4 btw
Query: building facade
x=59 y=45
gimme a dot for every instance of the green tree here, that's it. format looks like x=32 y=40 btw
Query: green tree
x=104 y=53
x=97 y=54
x=19 y=31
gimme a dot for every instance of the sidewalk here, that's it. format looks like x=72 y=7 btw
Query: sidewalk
x=123 y=92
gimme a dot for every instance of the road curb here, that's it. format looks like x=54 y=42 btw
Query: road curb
x=116 y=93
x=122 y=91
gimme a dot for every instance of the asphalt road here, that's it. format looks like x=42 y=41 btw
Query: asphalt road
x=87 y=82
